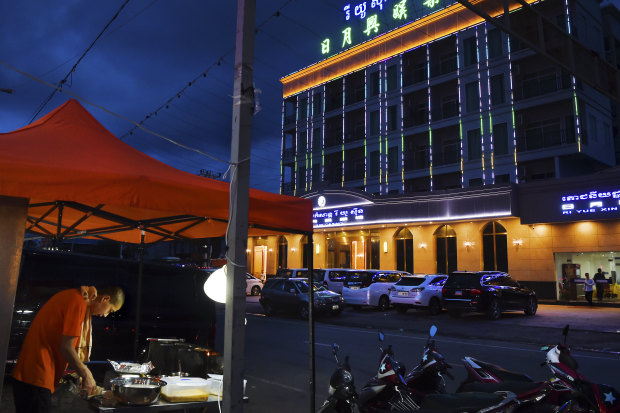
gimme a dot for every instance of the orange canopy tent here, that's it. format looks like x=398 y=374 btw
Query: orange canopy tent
x=82 y=182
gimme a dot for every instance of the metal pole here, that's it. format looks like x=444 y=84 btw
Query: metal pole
x=136 y=340
x=237 y=234
x=311 y=322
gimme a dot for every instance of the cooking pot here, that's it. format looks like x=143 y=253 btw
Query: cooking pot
x=138 y=391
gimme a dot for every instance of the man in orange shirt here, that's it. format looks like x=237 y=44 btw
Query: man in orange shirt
x=51 y=344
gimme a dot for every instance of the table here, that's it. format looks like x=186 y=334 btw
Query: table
x=159 y=406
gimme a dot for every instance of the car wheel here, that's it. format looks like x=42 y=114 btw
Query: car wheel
x=384 y=303
x=256 y=290
x=401 y=308
x=532 y=306
x=303 y=312
x=454 y=313
x=493 y=311
x=434 y=306
x=268 y=308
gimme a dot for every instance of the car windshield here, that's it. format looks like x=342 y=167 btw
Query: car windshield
x=463 y=280
x=410 y=281
x=304 y=286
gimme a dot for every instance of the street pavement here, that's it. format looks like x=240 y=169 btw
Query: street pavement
x=595 y=328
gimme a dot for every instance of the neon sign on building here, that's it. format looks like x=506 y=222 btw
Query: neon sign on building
x=368 y=18
x=592 y=202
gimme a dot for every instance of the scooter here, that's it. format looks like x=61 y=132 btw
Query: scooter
x=568 y=389
x=388 y=391
x=342 y=396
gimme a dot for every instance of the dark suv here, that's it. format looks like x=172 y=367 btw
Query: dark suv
x=489 y=292
x=291 y=294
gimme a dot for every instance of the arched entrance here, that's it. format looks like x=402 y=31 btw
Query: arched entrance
x=495 y=247
x=445 y=241
x=404 y=250
x=282 y=252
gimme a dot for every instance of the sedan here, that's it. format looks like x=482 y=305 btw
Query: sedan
x=418 y=291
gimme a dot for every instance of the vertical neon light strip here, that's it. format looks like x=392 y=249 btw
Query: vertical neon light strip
x=307 y=143
x=311 y=135
x=430 y=132
x=381 y=87
x=365 y=128
x=323 y=97
x=344 y=94
x=402 y=129
x=574 y=86
x=486 y=48
x=484 y=179
x=296 y=154
x=282 y=147
x=383 y=127
x=512 y=110
x=458 y=87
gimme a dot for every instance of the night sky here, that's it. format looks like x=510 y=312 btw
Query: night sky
x=150 y=53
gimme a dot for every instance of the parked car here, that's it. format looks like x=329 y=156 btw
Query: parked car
x=291 y=294
x=253 y=285
x=487 y=292
x=298 y=273
x=333 y=278
x=418 y=291
x=369 y=287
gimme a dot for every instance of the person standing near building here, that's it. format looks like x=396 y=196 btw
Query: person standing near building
x=588 y=288
x=600 y=286
x=60 y=334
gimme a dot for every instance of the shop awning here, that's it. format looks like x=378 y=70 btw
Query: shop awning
x=82 y=181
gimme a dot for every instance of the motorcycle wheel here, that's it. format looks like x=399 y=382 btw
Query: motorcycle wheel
x=493 y=311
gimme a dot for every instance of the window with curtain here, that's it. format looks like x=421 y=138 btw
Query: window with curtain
x=445 y=242
x=495 y=247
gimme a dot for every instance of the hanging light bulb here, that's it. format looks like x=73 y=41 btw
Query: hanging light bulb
x=215 y=286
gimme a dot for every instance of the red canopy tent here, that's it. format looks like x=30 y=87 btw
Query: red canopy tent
x=82 y=181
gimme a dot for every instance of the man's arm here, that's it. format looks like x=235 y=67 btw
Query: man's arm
x=69 y=353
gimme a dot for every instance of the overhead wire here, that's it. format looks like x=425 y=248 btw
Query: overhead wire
x=64 y=80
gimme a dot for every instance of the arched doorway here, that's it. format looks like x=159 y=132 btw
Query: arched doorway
x=305 y=251
x=495 y=247
x=282 y=252
x=445 y=241
x=259 y=263
x=404 y=250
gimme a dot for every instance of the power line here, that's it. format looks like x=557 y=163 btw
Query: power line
x=63 y=81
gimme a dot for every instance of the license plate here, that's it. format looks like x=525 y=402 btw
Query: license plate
x=335 y=307
x=355 y=288
x=403 y=293
x=458 y=293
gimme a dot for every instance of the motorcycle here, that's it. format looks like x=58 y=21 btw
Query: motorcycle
x=567 y=389
x=342 y=396
x=389 y=391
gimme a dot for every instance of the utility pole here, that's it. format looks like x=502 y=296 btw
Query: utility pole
x=237 y=234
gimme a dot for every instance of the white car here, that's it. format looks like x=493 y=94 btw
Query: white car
x=420 y=290
x=369 y=287
x=333 y=278
x=253 y=285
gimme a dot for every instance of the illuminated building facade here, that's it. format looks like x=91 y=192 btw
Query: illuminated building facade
x=431 y=129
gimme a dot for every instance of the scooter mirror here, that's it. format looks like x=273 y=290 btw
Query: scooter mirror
x=433 y=331
x=335 y=348
x=381 y=336
x=565 y=331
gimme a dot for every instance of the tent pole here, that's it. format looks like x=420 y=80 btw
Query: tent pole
x=136 y=340
x=13 y=212
x=311 y=322
x=237 y=232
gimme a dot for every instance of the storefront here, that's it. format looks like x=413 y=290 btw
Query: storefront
x=547 y=235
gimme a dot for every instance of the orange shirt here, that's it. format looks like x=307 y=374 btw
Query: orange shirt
x=40 y=361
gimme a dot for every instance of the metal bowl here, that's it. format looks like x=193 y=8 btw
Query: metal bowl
x=137 y=391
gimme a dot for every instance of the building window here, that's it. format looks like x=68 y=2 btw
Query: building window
x=375 y=163
x=316 y=173
x=404 y=250
x=392 y=79
x=470 y=52
x=495 y=43
x=392 y=117
x=282 y=252
x=316 y=139
x=374 y=83
x=472 y=97
x=494 y=247
x=393 y=160
x=303 y=109
x=474 y=144
x=317 y=104
x=374 y=123
x=445 y=241
x=500 y=138
x=497 y=89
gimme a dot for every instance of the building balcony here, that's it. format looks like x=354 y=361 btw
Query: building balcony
x=419 y=160
x=541 y=85
x=446 y=157
x=543 y=137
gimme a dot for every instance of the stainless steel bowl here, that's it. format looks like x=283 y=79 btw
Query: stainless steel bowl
x=137 y=391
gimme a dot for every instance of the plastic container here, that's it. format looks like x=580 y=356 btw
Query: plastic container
x=215 y=385
x=185 y=389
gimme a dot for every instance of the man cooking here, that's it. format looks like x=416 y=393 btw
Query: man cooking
x=60 y=334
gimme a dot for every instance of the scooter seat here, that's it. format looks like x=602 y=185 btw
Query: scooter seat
x=502 y=373
x=461 y=402
x=519 y=388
